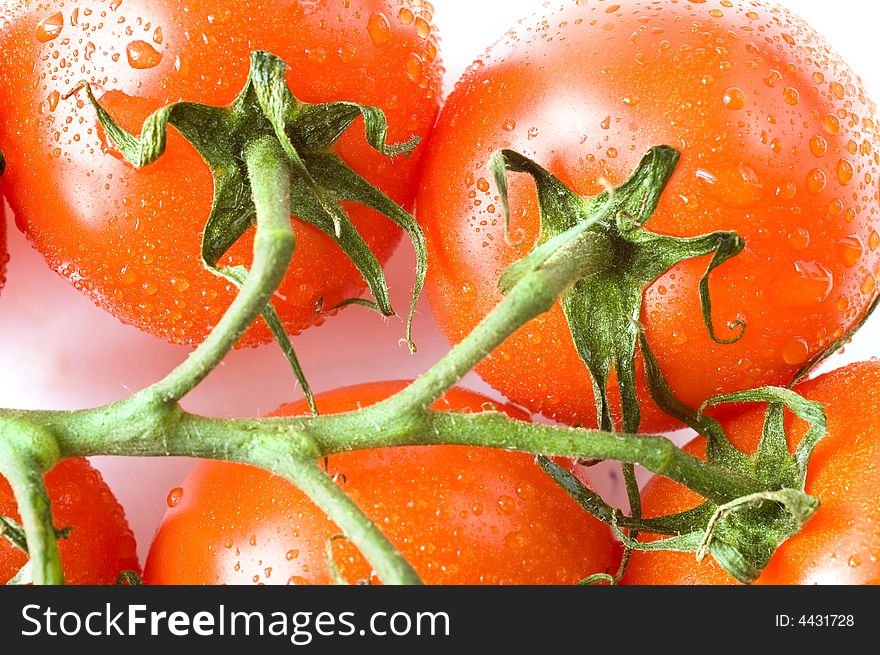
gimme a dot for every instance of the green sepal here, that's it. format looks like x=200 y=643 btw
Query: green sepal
x=603 y=308
x=307 y=134
x=129 y=579
x=744 y=534
x=13 y=532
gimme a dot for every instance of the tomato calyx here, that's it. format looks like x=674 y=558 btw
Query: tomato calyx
x=307 y=133
x=621 y=260
x=743 y=533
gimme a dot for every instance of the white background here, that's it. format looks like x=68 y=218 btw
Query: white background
x=58 y=351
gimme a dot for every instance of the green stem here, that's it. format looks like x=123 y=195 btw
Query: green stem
x=534 y=294
x=274 y=244
x=26 y=453
x=391 y=566
x=265 y=442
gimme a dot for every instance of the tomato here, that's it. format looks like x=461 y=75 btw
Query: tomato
x=841 y=544
x=778 y=143
x=100 y=545
x=460 y=515
x=131 y=239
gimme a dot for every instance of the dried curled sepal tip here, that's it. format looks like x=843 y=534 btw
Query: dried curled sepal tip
x=307 y=133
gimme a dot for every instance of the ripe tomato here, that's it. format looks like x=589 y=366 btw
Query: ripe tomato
x=841 y=544
x=101 y=544
x=778 y=143
x=131 y=239
x=460 y=515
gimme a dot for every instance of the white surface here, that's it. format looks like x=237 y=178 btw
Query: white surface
x=58 y=351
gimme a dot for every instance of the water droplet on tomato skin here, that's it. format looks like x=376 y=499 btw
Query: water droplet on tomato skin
x=814 y=284
x=141 y=55
x=796 y=351
x=50 y=27
x=851 y=250
x=174 y=496
x=734 y=98
x=379 y=28
x=845 y=172
x=816 y=181
x=800 y=239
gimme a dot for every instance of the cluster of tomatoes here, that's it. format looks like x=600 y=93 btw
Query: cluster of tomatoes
x=778 y=143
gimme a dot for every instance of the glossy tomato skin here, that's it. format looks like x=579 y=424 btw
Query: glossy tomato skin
x=778 y=143
x=841 y=544
x=460 y=515
x=101 y=544
x=131 y=239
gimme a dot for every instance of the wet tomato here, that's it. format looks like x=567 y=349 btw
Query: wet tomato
x=778 y=142
x=100 y=545
x=841 y=544
x=131 y=239
x=459 y=515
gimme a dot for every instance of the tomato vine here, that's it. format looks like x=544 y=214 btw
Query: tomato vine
x=744 y=496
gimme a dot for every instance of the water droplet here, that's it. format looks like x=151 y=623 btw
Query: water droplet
x=292 y=555
x=477 y=509
x=50 y=27
x=850 y=251
x=815 y=284
x=53 y=99
x=88 y=51
x=606 y=123
x=509 y=125
x=610 y=9
x=818 y=146
x=533 y=133
x=738 y=185
x=816 y=181
x=415 y=68
x=791 y=95
x=831 y=124
x=800 y=239
x=157 y=35
x=874 y=240
x=773 y=78
x=483 y=184
x=423 y=28
x=838 y=90
x=406 y=16
x=787 y=190
x=142 y=55
x=174 y=496
x=869 y=284
x=734 y=98
x=854 y=562
x=379 y=28
x=796 y=351
x=611 y=153
x=845 y=172
x=506 y=505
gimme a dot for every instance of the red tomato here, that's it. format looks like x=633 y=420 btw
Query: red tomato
x=101 y=544
x=841 y=544
x=460 y=515
x=131 y=239
x=778 y=143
